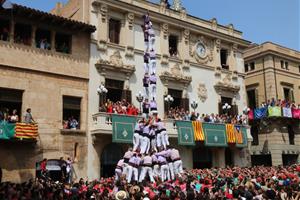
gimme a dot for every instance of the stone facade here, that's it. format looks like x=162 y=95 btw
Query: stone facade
x=44 y=77
x=198 y=76
x=269 y=77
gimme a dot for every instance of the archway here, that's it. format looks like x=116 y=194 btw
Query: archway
x=111 y=154
x=202 y=158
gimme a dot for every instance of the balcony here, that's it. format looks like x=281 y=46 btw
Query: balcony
x=18 y=132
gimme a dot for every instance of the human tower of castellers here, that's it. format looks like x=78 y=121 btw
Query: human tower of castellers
x=150 y=154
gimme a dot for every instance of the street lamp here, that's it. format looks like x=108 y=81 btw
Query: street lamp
x=140 y=99
x=101 y=90
x=226 y=107
x=194 y=104
x=169 y=99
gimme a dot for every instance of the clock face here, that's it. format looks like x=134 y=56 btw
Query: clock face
x=201 y=50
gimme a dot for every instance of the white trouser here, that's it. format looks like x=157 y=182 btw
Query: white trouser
x=132 y=171
x=146 y=91
x=152 y=66
x=136 y=141
x=178 y=167
x=125 y=169
x=145 y=145
x=151 y=42
x=165 y=139
x=146 y=67
x=164 y=172
x=152 y=91
x=159 y=140
x=171 y=168
x=118 y=174
x=144 y=172
x=153 y=144
x=146 y=46
x=156 y=170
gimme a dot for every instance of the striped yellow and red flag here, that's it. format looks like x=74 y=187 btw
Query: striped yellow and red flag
x=238 y=135
x=230 y=133
x=28 y=131
x=198 y=131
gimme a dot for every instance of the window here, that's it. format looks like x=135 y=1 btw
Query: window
x=282 y=64
x=178 y=103
x=22 y=34
x=254 y=133
x=252 y=66
x=115 y=89
x=4 y=30
x=71 y=112
x=286 y=65
x=43 y=39
x=63 y=43
x=114 y=31
x=291 y=135
x=173 y=40
x=299 y=68
x=10 y=100
x=251 y=94
x=288 y=94
x=246 y=67
x=224 y=54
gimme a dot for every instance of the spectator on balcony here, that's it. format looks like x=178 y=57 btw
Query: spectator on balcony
x=73 y=123
x=44 y=44
x=4 y=34
x=28 y=117
x=14 y=118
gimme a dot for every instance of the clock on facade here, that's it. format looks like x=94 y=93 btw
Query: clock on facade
x=201 y=50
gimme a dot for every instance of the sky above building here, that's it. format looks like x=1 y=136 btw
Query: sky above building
x=277 y=21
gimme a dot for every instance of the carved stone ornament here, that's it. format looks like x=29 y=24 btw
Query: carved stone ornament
x=129 y=51
x=103 y=12
x=218 y=44
x=202 y=92
x=214 y=23
x=186 y=35
x=201 y=49
x=165 y=59
x=165 y=30
x=102 y=45
x=130 y=18
x=230 y=29
x=175 y=75
x=226 y=85
x=234 y=49
x=115 y=63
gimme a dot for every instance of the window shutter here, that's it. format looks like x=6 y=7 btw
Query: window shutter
x=256 y=98
x=185 y=104
x=126 y=94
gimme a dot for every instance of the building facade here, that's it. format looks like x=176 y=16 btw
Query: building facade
x=44 y=65
x=196 y=59
x=273 y=72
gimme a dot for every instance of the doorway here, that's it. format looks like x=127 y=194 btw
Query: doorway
x=289 y=159
x=258 y=160
x=110 y=156
x=202 y=158
x=228 y=157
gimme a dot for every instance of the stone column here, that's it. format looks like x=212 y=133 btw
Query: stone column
x=231 y=58
x=164 y=43
x=270 y=86
x=12 y=31
x=217 y=49
x=102 y=29
x=33 y=34
x=53 y=33
x=184 y=47
x=127 y=37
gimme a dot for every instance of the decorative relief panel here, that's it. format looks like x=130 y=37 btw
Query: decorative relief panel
x=201 y=49
x=202 y=92
x=130 y=19
x=175 y=74
x=214 y=24
x=103 y=12
x=165 y=30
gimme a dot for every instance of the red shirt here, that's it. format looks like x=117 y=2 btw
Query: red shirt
x=43 y=165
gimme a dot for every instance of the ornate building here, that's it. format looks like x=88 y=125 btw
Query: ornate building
x=44 y=65
x=197 y=59
x=272 y=71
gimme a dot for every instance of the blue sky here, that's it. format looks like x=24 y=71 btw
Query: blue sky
x=259 y=20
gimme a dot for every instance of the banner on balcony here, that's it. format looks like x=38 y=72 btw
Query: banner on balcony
x=274 y=111
x=123 y=128
x=287 y=112
x=7 y=130
x=215 y=135
x=185 y=133
x=26 y=131
x=296 y=113
x=241 y=138
x=198 y=131
x=230 y=132
x=260 y=112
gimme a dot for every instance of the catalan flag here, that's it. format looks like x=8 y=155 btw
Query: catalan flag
x=26 y=131
x=230 y=133
x=238 y=135
x=198 y=131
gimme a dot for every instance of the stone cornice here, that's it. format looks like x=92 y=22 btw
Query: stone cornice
x=177 y=22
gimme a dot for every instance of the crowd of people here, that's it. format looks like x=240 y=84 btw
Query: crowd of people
x=71 y=123
x=181 y=114
x=281 y=103
x=120 y=107
x=249 y=183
